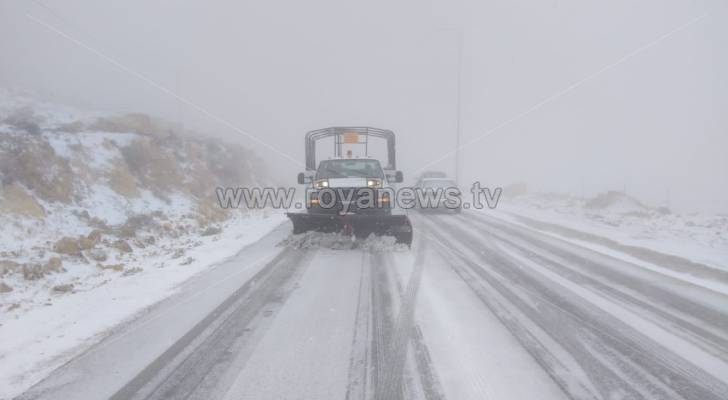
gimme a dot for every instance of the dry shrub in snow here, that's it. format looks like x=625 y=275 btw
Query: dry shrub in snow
x=63 y=288
x=32 y=162
x=131 y=123
x=122 y=181
x=153 y=166
x=5 y=288
x=68 y=246
x=15 y=199
x=211 y=230
x=9 y=267
x=123 y=246
x=97 y=255
x=112 y=267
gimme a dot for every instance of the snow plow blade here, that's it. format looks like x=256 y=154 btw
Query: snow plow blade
x=360 y=225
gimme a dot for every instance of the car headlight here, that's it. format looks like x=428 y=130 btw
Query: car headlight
x=374 y=183
x=321 y=183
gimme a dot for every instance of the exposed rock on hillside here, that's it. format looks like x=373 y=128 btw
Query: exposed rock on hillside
x=82 y=188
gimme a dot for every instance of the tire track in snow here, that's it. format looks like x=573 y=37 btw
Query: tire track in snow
x=397 y=347
x=382 y=333
x=200 y=357
x=423 y=382
x=358 y=382
x=704 y=326
x=425 y=369
x=566 y=335
x=548 y=354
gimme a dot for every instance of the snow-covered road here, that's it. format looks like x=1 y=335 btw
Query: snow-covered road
x=477 y=309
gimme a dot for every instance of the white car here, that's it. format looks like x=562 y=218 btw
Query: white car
x=439 y=195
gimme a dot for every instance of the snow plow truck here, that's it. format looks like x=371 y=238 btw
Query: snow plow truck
x=351 y=192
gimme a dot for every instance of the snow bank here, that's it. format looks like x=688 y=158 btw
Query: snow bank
x=697 y=237
x=337 y=241
x=55 y=327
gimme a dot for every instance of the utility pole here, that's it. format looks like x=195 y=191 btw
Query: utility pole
x=458 y=94
x=458 y=105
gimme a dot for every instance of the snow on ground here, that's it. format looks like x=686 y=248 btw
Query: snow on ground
x=689 y=351
x=475 y=356
x=52 y=114
x=620 y=218
x=305 y=351
x=51 y=328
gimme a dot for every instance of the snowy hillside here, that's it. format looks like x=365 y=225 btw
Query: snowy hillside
x=98 y=209
x=83 y=193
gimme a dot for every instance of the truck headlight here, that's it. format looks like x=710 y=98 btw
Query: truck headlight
x=321 y=183
x=374 y=183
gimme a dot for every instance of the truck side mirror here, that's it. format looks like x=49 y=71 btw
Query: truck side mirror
x=301 y=178
x=398 y=177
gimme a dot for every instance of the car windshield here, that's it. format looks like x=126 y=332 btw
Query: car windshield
x=349 y=168
x=439 y=183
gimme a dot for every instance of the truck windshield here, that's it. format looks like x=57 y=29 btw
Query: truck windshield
x=349 y=168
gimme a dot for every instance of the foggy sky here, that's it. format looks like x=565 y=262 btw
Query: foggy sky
x=655 y=124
